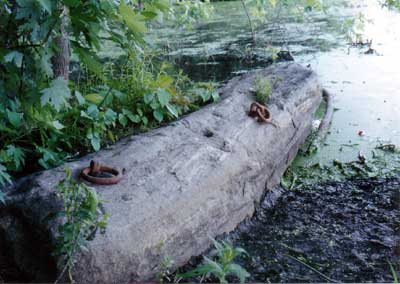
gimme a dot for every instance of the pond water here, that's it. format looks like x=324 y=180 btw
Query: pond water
x=346 y=231
x=366 y=86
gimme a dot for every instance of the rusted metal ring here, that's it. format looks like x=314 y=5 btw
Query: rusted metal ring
x=261 y=112
x=95 y=167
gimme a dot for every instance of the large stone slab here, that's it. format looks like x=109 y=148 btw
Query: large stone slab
x=181 y=186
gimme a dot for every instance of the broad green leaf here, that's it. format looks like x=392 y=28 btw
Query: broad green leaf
x=14 y=118
x=163 y=97
x=135 y=22
x=132 y=117
x=94 y=98
x=148 y=97
x=57 y=94
x=81 y=100
x=92 y=111
x=158 y=115
x=122 y=119
x=94 y=139
x=110 y=116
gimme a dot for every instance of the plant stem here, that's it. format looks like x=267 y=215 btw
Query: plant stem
x=253 y=33
x=313 y=269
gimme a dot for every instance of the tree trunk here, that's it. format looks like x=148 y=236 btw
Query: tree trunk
x=61 y=58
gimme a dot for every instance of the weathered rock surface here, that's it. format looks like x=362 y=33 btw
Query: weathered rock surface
x=196 y=178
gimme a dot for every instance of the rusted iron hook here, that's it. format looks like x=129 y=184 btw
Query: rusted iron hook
x=260 y=112
x=101 y=174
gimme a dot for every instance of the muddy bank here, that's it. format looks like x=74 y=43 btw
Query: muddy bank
x=331 y=232
x=346 y=230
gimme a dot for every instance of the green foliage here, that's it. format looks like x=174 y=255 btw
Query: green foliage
x=222 y=266
x=82 y=217
x=186 y=13
x=393 y=4
x=354 y=29
x=56 y=95
x=33 y=103
x=47 y=120
x=262 y=89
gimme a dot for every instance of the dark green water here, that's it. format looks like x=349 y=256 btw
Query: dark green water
x=366 y=86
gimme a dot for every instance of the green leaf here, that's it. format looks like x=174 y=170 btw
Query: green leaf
x=132 y=117
x=5 y=178
x=148 y=98
x=163 y=97
x=94 y=98
x=149 y=14
x=238 y=271
x=94 y=139
x=14 y=118
x=215 y=96
x=110 y=116
x=57 y=94
x=172 y=109
x=93 y=200
x=92 y=111
x=14 y=56
x=57 y=125
x=81 y=100
x=90 y=60
x=163 y=5
x=164 y=81
x=135 y=22
x=14 y=157
x=158 y=115
x=122 y=119
x=45 y=64
x=46 y=4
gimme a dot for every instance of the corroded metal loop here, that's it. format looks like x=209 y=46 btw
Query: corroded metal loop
x=260 y=112
x=101 y=174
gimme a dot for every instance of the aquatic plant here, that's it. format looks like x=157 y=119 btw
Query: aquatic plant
x=223 y=265
x=383 y=163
